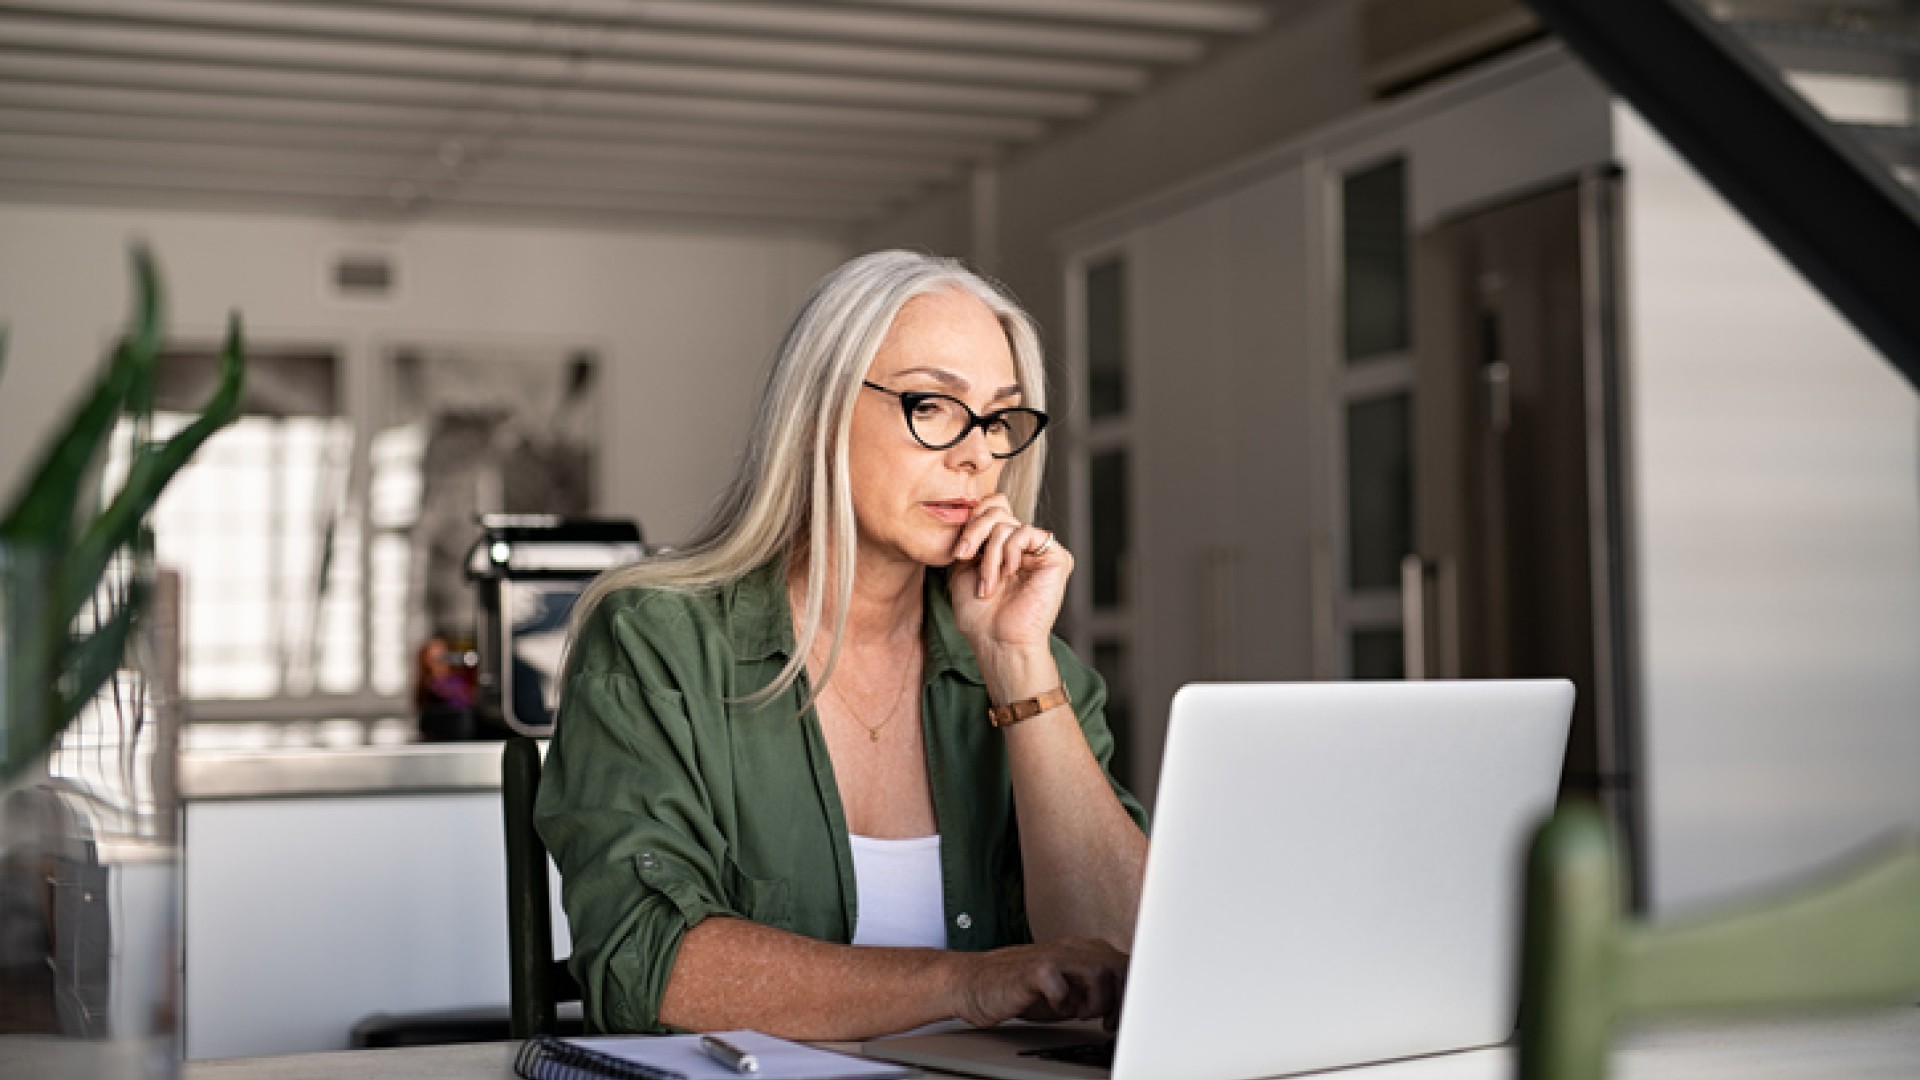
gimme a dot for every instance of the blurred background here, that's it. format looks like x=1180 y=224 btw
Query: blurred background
x=1387 y=340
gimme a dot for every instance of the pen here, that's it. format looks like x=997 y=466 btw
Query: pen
x=729 y=1055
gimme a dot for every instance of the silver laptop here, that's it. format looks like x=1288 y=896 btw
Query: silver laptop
x=1334 y=879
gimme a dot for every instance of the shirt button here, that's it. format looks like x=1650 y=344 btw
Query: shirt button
x=964 y=921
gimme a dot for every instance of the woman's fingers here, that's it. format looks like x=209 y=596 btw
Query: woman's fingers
x=994 y=556
x=989 y=512
x=1080 y=988
x=1063 y=980
x=1000 y=544
x=1016 y=548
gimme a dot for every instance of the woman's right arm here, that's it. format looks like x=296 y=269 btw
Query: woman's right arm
x=731 y=973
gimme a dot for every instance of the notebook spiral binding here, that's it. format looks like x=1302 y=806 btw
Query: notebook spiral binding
x=544 y=1057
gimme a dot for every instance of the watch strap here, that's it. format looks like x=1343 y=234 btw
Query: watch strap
x=1015 y=711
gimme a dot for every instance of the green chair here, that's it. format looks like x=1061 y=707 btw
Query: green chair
x=539 y=983
x=1852 y=940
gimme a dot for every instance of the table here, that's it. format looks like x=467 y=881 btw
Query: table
x=1881 y=1046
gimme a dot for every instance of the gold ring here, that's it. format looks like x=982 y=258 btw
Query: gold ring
x=1042 y=549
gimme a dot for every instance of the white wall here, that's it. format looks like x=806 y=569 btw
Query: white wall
x=685 y=322
x=1777 y=458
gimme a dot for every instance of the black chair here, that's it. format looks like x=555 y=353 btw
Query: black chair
x=539 y=983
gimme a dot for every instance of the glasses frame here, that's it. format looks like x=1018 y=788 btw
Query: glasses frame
x=909 y=399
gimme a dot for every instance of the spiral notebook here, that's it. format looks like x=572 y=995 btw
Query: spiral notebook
x=679 y=1057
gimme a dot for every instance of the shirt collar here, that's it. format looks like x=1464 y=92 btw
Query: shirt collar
x=760 y=625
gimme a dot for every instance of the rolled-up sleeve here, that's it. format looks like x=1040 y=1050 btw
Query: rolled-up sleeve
x=627 y=815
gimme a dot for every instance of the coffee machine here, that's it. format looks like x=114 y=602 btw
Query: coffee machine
x=528 y=569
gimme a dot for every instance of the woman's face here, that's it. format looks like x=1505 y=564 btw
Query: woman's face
x=909 y=502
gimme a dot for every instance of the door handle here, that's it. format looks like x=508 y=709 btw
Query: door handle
x=1429 y=618
x=1497 y=378
x=1413 y=617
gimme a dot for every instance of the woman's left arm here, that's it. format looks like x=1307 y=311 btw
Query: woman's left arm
x=1082 y=854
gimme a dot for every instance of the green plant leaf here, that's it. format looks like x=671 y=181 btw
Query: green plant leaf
x=153 y=466
x=148 y=327
x=29 y=663
x=92 y=660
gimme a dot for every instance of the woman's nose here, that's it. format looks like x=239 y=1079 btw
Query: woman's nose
x=972 y=451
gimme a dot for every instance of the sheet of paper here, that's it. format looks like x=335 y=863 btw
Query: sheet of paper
x=780 y=1059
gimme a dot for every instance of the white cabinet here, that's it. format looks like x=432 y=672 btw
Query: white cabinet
x=304 y=915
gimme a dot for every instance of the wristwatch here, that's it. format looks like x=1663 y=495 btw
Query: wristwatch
x=1015 y=711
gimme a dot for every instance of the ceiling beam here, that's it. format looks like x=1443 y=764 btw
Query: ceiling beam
x=505 y=102
x=817 y=23
x=427 y=121
x=246 y=51
x=1197 y=16
x=324 y=20
x=345 y=180
x=427 y=162
x=586 y=152
x=704 y=215
x=538 y=198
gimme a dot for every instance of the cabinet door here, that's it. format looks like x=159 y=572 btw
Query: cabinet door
x=305 y=916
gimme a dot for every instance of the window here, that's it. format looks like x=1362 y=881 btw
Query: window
x=1379 y=489
x=1373 y=415
x=1107 y=497
x=310 y=577
x=261 y=528
x=1106 y=340
x=1374 y=257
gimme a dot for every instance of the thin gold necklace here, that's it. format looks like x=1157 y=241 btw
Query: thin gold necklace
x=873 y=730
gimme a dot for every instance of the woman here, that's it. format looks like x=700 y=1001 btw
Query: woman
x=775 y=795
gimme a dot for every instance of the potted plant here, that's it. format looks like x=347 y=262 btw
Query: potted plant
x=88 y=861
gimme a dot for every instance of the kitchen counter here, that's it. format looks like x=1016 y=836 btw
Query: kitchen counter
x=276 y=759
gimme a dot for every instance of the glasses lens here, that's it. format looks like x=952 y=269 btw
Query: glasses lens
x=1012 y=430
x=937 y=420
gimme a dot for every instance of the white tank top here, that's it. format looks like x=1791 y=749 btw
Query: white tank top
x=899 y=892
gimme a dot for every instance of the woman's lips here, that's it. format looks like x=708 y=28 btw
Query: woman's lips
x=952 y=511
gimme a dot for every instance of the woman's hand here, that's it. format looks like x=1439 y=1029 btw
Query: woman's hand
x=1069 y=979
x=1008 y=579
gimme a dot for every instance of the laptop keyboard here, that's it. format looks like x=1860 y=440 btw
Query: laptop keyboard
x=1092 y=1055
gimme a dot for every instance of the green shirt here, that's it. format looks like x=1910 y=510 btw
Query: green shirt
x=666 y=799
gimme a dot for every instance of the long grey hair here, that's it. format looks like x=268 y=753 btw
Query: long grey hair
x=792 y=490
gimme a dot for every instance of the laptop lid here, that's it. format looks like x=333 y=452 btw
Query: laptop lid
x=1335 y=873
x=1334 y=879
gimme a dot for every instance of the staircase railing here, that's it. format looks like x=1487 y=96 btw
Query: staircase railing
x=1815 y=192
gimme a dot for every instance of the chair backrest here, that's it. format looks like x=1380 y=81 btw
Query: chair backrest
x=538 y=981
x=1850 y=940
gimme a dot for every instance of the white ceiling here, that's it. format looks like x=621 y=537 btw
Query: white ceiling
x=783 y=114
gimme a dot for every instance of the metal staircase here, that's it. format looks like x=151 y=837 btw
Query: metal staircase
x=1858 y=62
x=1801 y=115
